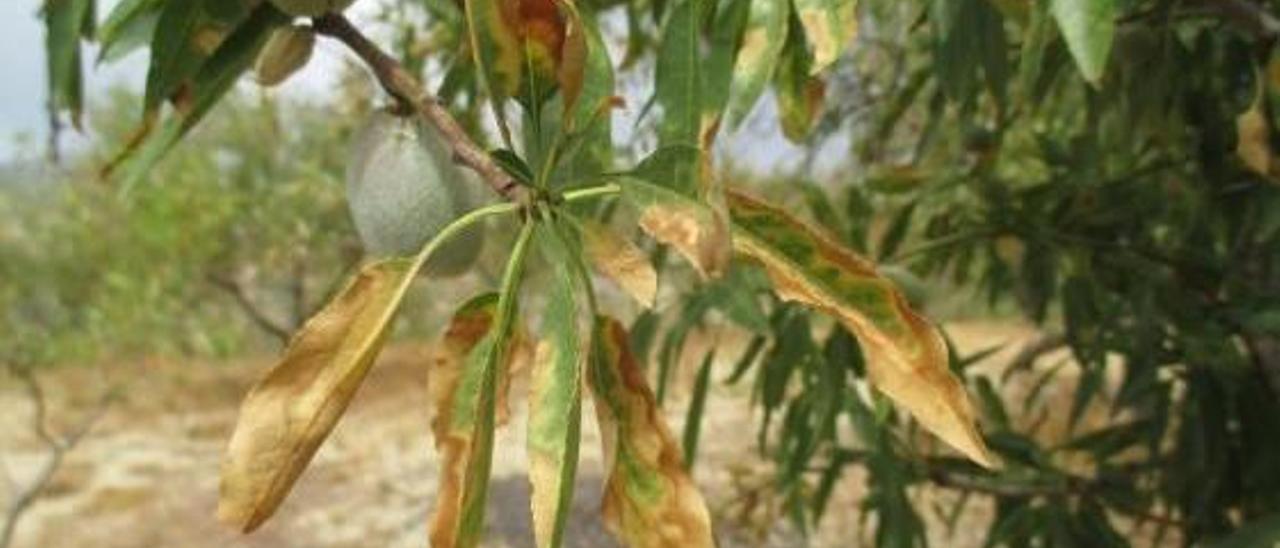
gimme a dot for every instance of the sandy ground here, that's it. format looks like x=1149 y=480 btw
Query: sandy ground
x=148 y=473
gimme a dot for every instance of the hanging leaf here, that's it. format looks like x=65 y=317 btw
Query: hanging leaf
x=477 y=347
x=214 y=78
x=291 y=411
x=66 y=22
x=586 y=72
x=130 y=26
x=829 y=26
x=726 y=38
x=762 y=44
x=678 y=78
x=798 y=93
x=620 y=260
x=906 y=357
x=1088 y=26
x=697 y=404
x=649 y=499
x=555 y=397
x=496 y=45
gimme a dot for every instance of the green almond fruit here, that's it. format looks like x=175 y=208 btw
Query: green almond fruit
x=311 y=8
x=403 y=189
x=286 y=51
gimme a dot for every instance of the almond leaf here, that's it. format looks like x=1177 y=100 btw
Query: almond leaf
x=287 y=414
x=621 y=261
x=555 y=396
x=649 y=499
x=906 y=356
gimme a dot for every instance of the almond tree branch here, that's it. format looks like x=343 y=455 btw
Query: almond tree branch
x=246 y=303
x=409 y=93
x=58 y=448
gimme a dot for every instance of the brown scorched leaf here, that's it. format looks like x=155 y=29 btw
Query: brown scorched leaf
x=291 y=411
x=690 y=226
x=649 y=499
x=620 y=260
x=906 y=356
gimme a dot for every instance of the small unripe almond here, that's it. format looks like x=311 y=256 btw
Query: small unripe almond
x=311 y=8
x=286 y=51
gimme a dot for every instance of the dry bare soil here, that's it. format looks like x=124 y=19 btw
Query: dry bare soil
x=148 y=473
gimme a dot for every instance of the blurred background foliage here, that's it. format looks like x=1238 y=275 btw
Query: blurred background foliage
x=1119 y=211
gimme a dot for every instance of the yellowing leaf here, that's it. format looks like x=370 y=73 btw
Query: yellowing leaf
x=829 y=25
x=1253 y=139
x=649 y=499
x=496 y=45
x=761 y=47
x=621 y=261
x=906 y=357
x=691 y=227
x=555 y=396
x=476 y=348
x=289 y=413
x=458 y=367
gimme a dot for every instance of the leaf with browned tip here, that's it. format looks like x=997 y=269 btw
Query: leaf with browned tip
x=649 y=499
x=906 y=356
x=620 y=260
x=290 y=412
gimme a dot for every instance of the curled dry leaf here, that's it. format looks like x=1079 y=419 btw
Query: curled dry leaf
x=649 y=499
x=906 y=357
x=291 y=411
x=555 y=388
x=621 y=261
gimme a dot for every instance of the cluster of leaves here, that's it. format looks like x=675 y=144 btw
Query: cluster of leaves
x=1107 y=167
x=549 y=60
x=1038 y=156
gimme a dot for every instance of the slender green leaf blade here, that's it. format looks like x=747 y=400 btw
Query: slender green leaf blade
x=1088 y=26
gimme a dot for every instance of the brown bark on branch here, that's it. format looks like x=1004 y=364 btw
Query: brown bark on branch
x=410 y=94
x=58 y=447
x=237 y=291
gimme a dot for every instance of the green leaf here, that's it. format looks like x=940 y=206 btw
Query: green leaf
x=513 y=164
x=697 y=403
x=214 y=78
x=905 y=355
x=1088 y=26
x=555 y=399
x=664 y=167
x=66 y=21
x=762 y=44
x=829 y=26
x=129 y=26
x=290 y=412
x=466 y=409
x=726 y=38
x=649 y=499
x=678 y=78
x=799 y=94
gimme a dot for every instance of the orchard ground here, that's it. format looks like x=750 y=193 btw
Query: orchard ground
x=148 y=473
